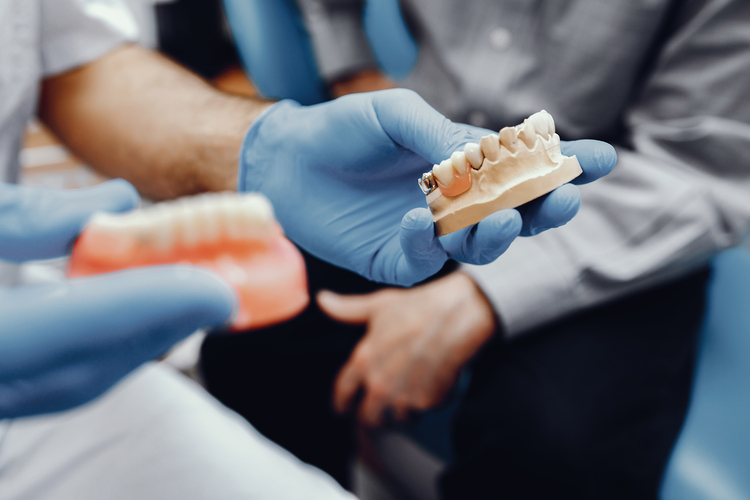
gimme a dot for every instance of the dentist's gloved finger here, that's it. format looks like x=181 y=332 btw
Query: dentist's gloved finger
x=597 y=158
x=550 y=211
x=136 y=309
x=57 y=389
x=412 y=123
x=422 y=253
x=116 y=195
x=40 y=223
x=484 y=242
x=109 y=325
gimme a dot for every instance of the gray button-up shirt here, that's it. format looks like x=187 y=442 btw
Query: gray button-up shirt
x=666 y=81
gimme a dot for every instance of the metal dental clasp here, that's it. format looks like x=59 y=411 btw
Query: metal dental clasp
x=427 y=183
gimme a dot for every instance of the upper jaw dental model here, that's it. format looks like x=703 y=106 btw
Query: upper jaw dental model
x=234 y=235
x=502 y=171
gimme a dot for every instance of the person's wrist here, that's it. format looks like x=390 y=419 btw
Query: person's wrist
x=463 y=305
x=477 y=305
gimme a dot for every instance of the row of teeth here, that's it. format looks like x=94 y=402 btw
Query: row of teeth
x=539 y=126
x=192 y=220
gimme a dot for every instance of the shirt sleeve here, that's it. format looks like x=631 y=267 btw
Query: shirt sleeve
x=75 y=32
x=679 y=194
x=337 y=36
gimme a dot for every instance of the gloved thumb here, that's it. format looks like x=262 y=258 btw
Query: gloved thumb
x=555 y=209
x=423 y=254
x=597 y=158
x=412 y=123
x=353 y=309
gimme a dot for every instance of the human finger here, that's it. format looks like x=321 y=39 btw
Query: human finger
x=596 y=158
x=484 y=242
x=353 y=309
x=345 y=388
x=550 y=211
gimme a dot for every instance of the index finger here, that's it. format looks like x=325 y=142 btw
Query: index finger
x=596 y=158
x=345 y=387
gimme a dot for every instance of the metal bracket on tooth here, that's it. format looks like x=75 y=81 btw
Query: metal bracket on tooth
x=427 y=183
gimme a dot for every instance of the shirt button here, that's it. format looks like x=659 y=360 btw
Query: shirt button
x=500 y=39
x=477 y=118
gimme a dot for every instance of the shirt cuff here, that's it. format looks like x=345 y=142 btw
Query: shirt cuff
x=526 y=288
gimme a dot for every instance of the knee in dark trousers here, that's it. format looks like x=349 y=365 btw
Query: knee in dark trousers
x=587 y=408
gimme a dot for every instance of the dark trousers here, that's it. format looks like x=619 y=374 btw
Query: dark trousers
x=589 y=407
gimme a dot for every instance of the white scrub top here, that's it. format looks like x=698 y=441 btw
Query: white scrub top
x=39 y=38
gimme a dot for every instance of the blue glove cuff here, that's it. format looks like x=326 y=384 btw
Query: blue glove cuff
x=249 y=155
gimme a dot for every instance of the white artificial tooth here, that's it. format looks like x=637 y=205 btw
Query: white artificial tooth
x=107 y=222
x=207 y=217
x=148 y=225
x=458 y=159
x=540 y=123
x=186 y=224
x=444 y=172
x=257 y=214
x=550 y=122
x=527 y=134
x=490 y=145
x=258 y=206
x=474 y=154
x=231 y=213
x=253 y=217
x=130 y=224
x=164 y=236
x=509 y=139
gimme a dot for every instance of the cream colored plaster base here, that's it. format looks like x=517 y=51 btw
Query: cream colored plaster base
x=507 y=182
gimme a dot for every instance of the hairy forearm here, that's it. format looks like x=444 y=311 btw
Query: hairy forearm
x=135 y=114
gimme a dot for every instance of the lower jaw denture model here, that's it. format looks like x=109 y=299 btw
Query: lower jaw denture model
x=502 y=171
x=234 y=235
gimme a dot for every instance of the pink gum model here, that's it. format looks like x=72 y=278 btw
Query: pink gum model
x=232 y=235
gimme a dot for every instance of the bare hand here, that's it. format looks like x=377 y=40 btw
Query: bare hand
x=417 y=340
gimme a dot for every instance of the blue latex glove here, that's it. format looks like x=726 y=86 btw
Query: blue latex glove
x=42 y=223
x=342 y=179
x=65 y=344
x=62 y=345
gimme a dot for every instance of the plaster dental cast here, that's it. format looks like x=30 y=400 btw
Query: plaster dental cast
x=512 y=168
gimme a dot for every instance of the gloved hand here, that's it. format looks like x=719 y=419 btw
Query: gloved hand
x=342 y=179
x=62 y=345
x=40 y=223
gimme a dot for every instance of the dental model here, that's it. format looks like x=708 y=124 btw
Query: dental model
x=234 y=235
x=502 y=171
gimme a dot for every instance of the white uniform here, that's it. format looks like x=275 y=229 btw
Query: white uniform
x=156 y=434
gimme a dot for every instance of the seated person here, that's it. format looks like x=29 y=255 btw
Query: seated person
x=131 y=113
x=580 y=341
